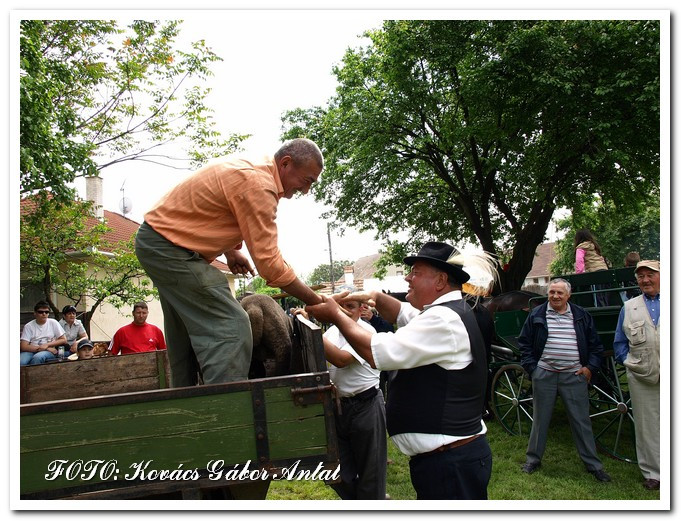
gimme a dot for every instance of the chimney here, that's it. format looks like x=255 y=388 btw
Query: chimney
x=94 y=193
x=348 y=272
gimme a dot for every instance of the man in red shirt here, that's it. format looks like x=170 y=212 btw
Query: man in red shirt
x=138 y=336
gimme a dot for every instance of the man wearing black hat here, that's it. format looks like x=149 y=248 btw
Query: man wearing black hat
x=434 y=409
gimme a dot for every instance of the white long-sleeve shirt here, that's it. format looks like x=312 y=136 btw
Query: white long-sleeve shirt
x=434 y=336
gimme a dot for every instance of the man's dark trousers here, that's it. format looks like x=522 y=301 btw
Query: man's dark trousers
x=573 y=390
x=363 y=447
x=460 y=473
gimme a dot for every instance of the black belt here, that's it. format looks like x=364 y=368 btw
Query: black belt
x=360 y=397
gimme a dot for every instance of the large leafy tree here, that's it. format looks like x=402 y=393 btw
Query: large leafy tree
x=93 y=94
x=618 y=230
x=478 y=130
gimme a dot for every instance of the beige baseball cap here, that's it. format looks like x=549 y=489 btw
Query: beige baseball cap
x=650 y=264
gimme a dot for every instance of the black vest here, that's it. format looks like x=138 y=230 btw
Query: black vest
x=433 y=400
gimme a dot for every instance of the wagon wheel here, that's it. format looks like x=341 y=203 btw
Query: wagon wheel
x=512 y=399
x=612 y=419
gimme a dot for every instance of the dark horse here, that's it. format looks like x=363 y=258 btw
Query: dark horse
x=511 y=301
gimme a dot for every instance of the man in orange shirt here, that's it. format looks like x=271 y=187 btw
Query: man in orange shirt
x=138 y=336
x=213 y=212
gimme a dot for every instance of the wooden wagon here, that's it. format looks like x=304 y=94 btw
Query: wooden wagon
x=114 y=429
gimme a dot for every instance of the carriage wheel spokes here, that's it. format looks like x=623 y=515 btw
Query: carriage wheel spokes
x=512 y=399
x=611 y=415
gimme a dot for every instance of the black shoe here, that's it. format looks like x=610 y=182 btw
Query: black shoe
x=600 y=475
x=652 y=484
x=529 y=468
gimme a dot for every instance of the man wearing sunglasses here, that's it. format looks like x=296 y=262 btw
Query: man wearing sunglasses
x=40 y=337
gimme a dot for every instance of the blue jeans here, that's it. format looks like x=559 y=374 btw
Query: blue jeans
x=36 y=358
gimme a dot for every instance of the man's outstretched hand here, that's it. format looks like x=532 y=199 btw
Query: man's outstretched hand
x=327 y=311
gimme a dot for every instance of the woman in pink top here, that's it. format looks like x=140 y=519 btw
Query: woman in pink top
x=588 y=253
x=588 y=258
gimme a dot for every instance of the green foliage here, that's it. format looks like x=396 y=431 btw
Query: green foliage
x=618 y=229
x=475 y=130
x=93 y=94
x=259 y=285
x=63 y=250
x=561 y=477
x=326 y=273
x=392 y=253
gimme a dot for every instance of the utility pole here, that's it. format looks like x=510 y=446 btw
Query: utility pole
x=333 y=282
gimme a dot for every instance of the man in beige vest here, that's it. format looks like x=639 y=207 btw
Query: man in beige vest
x=637 y=346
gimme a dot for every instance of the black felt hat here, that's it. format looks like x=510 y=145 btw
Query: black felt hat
x=437 y=254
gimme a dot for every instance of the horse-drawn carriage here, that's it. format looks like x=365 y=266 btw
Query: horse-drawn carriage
x=610 y=404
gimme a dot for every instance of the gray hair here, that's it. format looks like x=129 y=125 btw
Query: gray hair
x=562 y=281
x=301 y=150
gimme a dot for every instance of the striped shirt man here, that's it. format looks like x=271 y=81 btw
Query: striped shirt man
x=560 y=353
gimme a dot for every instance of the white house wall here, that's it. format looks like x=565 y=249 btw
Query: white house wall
x=395 y=284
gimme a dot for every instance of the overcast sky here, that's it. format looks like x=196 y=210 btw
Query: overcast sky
x=275 y=61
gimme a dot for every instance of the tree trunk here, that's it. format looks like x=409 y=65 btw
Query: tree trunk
x=86 y=319
x=520 y=264
x=47 y=291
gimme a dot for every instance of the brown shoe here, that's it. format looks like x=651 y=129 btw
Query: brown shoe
x=651 y=484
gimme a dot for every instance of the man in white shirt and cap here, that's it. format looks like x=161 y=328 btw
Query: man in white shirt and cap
x=360 y=422
x=73 y=328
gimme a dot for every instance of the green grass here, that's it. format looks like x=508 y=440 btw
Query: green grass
x=562 y=475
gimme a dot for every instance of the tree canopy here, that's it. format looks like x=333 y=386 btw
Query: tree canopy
x=474 y=130
x=93 y=94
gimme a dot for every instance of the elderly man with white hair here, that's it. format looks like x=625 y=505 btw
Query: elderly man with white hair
x=560 y=350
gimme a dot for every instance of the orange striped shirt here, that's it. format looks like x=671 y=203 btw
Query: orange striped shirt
x=222 y=204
